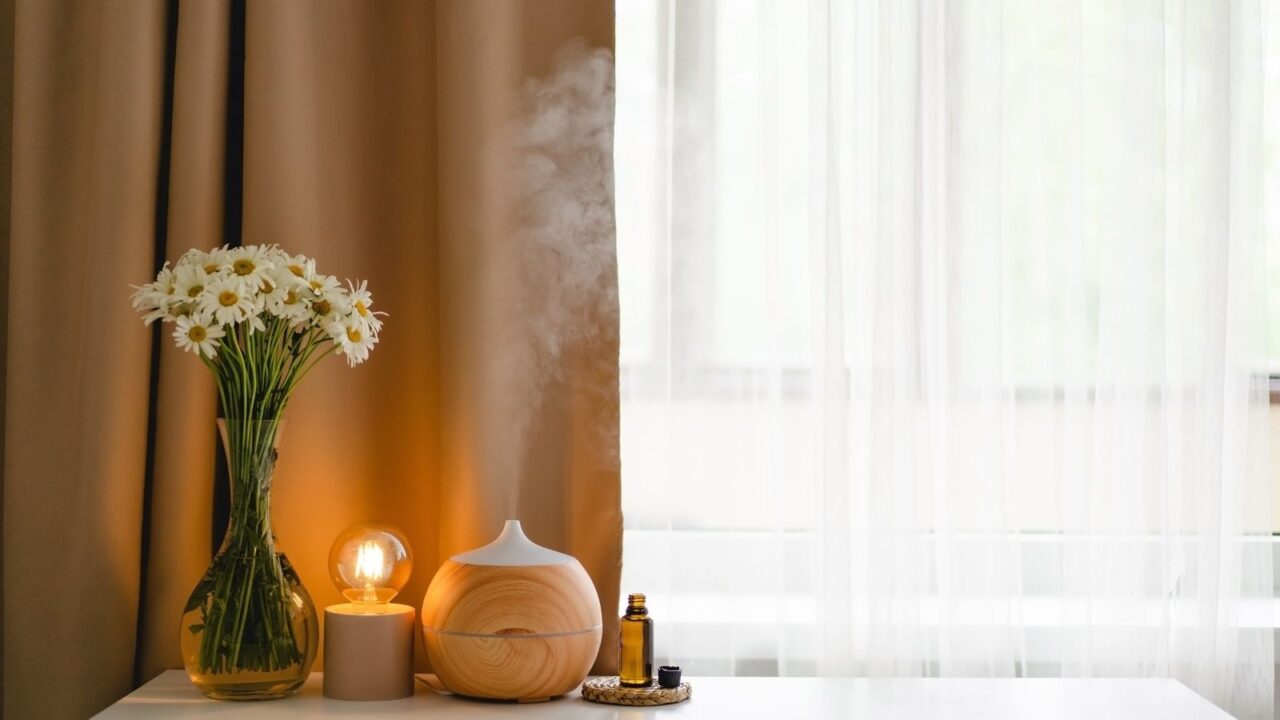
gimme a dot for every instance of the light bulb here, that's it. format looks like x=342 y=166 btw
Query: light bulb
x=370 y=562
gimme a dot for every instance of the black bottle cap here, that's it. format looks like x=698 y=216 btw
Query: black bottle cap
x=669 y=676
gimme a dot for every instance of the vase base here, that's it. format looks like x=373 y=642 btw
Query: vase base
x=250 y=691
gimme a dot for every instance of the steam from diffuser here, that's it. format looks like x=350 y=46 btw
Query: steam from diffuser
x=558 y=278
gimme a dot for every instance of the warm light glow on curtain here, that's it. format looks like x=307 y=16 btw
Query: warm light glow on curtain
x=373 y=136
x=944 y=332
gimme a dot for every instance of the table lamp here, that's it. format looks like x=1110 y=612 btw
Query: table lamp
x=368 y=641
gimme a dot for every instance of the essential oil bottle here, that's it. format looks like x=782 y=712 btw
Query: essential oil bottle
x=636 y=635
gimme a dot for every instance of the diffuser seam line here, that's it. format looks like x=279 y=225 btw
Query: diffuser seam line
x=459 y=633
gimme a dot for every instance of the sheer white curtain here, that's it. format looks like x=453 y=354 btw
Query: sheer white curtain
x=943 y=337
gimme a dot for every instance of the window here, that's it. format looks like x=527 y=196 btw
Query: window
x=932 y=322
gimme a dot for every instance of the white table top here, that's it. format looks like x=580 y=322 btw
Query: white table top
x=170 y=695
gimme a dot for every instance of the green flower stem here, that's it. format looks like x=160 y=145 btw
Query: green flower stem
x=248 y=608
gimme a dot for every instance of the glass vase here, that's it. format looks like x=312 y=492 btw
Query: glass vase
x=249 y=629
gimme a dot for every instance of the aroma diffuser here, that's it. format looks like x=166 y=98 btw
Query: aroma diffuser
x=511 y=621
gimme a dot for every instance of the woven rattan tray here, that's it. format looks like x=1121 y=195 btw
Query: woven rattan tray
x=607 y=690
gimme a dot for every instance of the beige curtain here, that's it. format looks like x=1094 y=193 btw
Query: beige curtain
x=367 y=134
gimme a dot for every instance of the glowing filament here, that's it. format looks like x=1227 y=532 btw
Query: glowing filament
x=370 y=568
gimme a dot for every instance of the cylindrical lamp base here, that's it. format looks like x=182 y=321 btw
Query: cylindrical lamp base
x=368 y=651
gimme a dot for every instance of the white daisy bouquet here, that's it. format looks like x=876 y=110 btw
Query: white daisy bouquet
x=225 y=296
x=260 y=319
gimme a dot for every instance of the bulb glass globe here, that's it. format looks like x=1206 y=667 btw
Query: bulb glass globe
x=370 y=563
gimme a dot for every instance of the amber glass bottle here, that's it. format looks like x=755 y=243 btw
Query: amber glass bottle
x=636 y=662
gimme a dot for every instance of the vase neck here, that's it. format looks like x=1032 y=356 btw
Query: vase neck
x=251 y=448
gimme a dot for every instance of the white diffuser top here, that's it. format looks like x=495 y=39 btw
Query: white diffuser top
x=512 y=547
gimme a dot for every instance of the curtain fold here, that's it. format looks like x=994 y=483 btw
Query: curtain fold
x=946 y=322
x=87 y=106
x=367 y=135
x=180 y=527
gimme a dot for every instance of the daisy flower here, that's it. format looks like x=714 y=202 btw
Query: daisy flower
x=362 y=303
x=279 y=282
x=195 y=333
x=291 y=305
x=323 y=285
x=301 y=267
x=352 y=338
x=210 y=261
x=227 y=300
x=189 y=281
x=329 y=299
x=154 y=298
x=251 y=263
